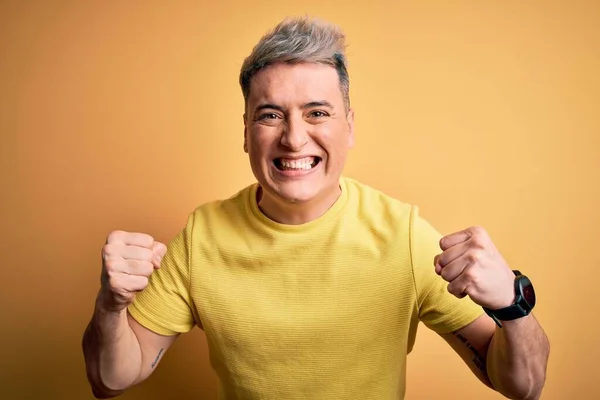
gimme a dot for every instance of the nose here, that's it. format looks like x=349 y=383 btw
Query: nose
x=294 y=135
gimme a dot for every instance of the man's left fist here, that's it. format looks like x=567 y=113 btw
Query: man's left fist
x=473 y=266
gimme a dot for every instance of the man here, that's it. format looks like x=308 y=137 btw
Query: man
x=309 y=284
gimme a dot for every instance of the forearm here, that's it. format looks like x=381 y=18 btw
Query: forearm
x=517 y=359
x=112 y=353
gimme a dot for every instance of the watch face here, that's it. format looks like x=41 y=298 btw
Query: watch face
x=527 y=292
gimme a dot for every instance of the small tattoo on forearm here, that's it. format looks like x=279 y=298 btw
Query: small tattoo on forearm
x=478 y=360
x=156 y=359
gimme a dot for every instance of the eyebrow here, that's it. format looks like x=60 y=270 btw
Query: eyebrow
x=322 y=103
x=311 y=104
x=268 y=105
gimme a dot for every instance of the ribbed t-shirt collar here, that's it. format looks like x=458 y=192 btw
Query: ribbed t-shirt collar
x=330 y=214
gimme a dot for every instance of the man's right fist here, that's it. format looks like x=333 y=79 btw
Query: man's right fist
x=128 y=259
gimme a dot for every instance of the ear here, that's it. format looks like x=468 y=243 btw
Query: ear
x=350 y=121
x=245 y=134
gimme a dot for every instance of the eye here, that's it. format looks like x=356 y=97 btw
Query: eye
x=268 y=116
x=317 y=114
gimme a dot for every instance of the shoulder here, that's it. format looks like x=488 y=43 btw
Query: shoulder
x=383 y=215
x=214 y=223
x=376 y=204
x=223 y=215
x=231 y=208
x=380 y=209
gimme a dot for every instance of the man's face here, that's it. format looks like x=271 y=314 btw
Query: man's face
x=297 y=132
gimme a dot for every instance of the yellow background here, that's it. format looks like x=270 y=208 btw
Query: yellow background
x=127 y=115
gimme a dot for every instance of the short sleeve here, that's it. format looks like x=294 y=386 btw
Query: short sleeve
x=165 y=305
x=438 y=309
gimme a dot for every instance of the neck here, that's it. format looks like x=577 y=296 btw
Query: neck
x=296 y=213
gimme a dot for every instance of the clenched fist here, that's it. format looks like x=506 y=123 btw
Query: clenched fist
x=473 y=266
x=128 y=259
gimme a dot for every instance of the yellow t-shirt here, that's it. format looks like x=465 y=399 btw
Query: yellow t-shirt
x=324 y=310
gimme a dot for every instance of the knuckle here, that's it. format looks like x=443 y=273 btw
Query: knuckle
x=471 y=277
x=108 y=250
x=115 y=236
x=452 y=289
x=111 y=266
x=443 y=259
x=442 y=242
x=473 y=256
x=470 y=274
x=114 y=283
x=458 y=289
x=445 y=274
x=145 y=240
x=477 y=230
x=478 y=242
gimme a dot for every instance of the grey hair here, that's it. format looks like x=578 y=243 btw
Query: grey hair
x=297 y=40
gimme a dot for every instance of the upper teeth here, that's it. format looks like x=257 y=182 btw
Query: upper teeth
x=304 y=163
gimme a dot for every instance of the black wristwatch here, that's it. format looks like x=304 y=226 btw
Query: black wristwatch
x=523 y=304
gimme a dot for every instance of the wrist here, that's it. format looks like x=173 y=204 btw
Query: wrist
x=105 y=305
x=108 y=324
x=508 y=297
x=521 y=305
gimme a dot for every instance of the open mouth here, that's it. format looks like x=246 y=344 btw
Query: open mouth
x=302 y=164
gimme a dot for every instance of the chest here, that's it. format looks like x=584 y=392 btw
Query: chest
x=302 y=292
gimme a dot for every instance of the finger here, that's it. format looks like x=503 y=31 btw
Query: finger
x=159 y=250
x=452 y=270
x=458 y=287
x=130 y=239
x=134 y=283
x=116 y=266
x=138 y=267
x=455 y=238
x=436 y=264
x=121 y=251
x=136 y=253
x=448 y=256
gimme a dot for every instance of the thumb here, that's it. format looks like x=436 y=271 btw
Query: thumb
x=159 y=250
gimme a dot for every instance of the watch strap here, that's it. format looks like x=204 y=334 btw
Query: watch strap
x=512 y=312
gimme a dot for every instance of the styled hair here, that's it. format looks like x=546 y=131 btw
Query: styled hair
x=298 y=40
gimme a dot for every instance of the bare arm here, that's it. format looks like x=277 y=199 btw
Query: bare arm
x=471 y=344
x=119 y=352
x=518 y=357
x=511 y=360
